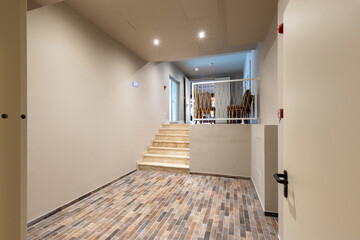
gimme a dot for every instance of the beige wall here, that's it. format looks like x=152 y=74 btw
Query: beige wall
x=257 y=160
x=221 y=149
x=267 y=67
x=238 y=150
x=264 y=162
x=271 y=167
x=264 y=65
x=86 y=125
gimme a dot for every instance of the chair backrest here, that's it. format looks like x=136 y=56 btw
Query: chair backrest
x=246 y=100
x=204 y=100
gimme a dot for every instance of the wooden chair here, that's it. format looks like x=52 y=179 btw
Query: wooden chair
x=243 y=110
x=203 y=106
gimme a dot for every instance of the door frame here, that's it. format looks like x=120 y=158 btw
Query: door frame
x=174 y=80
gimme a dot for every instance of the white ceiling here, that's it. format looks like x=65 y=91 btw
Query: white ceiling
x=230 y=25
x=47 y=2
x=213 y=65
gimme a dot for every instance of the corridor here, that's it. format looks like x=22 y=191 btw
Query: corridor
x=156 y=205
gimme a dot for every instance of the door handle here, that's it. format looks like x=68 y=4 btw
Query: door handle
x=282 y=178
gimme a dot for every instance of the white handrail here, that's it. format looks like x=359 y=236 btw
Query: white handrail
x=225 y=81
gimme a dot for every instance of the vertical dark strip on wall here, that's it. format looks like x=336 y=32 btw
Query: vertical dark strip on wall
x=185 y=87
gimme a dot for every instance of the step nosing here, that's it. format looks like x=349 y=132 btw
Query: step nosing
x=171 y=141
x=168 y=165
x=173 y=135
x=175 y=129
x=165 y=156
x=169 y=148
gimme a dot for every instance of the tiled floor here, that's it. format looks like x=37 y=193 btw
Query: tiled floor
x=154 y=205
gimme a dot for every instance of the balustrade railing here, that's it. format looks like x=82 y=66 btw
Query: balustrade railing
x=225 y=101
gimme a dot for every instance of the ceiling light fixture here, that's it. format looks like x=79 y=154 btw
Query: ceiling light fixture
x=156 y=42
x=201 y=34
x=196 y=69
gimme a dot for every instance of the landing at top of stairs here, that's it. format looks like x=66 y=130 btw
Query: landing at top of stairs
x=167 y=125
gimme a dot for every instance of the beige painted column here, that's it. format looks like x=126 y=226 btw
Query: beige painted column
x=12 y=127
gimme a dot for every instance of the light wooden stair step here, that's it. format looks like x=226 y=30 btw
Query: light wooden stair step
x=171 y=143
x=169 y=150
x=179 y=137
x=164 y=167
x=175 y=135
x=148 y=157
x=177 y=126
x=174 y=129
x=165 y=156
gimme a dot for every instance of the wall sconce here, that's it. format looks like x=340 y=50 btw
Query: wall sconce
x=135 y=84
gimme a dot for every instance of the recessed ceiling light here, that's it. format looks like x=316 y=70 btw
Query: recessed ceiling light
x=196 y=69
x=201 y=34
x=156 y=42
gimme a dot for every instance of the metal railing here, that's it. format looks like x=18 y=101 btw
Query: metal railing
x=225 y=101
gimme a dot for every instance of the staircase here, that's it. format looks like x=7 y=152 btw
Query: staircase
x=169 y=151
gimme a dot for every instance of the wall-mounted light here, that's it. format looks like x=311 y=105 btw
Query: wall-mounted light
x=135 y=84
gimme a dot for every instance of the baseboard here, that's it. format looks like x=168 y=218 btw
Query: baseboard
x=268 y=214
x=257 y=193
x=219 y=175
x=46 y=215
x=271 y=214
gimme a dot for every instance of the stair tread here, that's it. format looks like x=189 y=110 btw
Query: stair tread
x=166 y=155
x=175 y=129
x=176 y=125
x=173 y=135
x=169 y=165
x=169 y=148
x=171 y=141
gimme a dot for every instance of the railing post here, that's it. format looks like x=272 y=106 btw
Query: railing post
x=192 y=102
x=256 y=100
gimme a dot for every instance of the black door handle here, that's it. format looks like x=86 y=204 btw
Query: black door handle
x=283 y=179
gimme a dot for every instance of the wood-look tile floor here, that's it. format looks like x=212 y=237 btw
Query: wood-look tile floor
x=156 y=205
